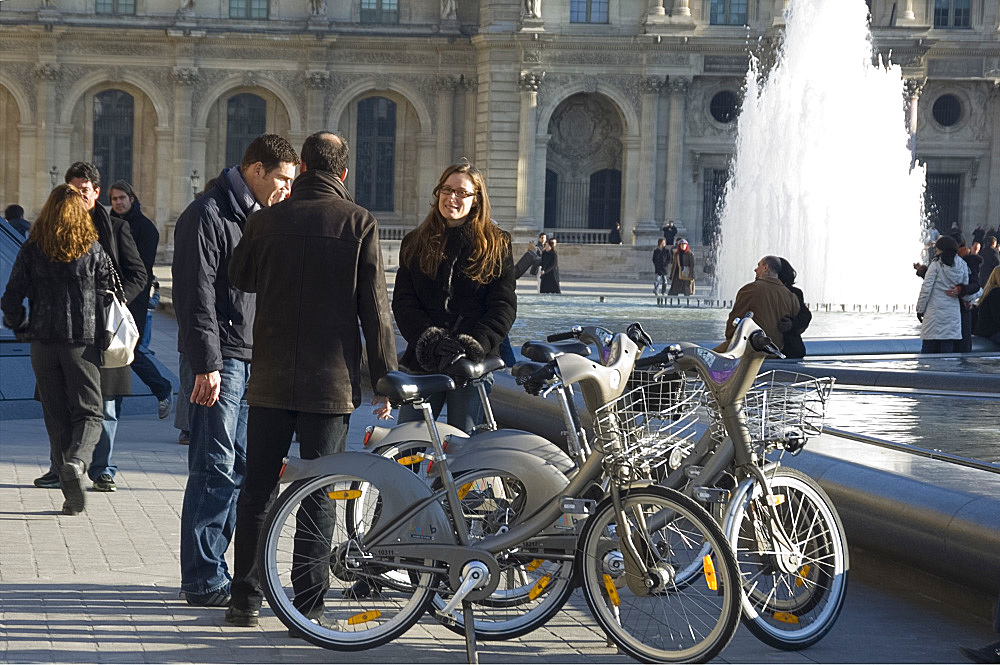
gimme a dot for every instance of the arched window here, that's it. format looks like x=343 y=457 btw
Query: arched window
x=113 y=128
x=605 y=201
x=376 y=161
x=551 y=199
x=246 y=119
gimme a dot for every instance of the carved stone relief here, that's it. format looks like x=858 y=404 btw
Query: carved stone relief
x=585 y=128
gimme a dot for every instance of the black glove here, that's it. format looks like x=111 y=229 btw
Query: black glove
x=920 y=317
x=447 y=350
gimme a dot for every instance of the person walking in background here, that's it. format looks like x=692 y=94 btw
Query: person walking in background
x=538 y=248
x=768 y=299
x=454 y=290
x=991 y=258
x=682 y=270
x=64 y=273
x=549 y=268
x=792 y=327
x=215 y=339
x=14 y=214
x=669 y=233
x=615 y=234
x=314 y=253
x=116 y=240
x=938 y=312
x=988 y=309
x=662 y=258
x=967 y=293
x=125 y=204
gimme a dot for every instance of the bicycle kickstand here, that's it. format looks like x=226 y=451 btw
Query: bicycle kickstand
x=471 y=655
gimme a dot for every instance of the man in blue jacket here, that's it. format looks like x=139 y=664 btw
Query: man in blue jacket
x=214 y=337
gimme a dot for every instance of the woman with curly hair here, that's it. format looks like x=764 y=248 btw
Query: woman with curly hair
x=454 y=291
x=63 y=272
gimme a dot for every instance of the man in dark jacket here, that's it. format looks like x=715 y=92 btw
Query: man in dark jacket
x=661 y=266
x=669 y=233
x=116 y=239
x=214 y=337
x=990 y=256
x=767 y=298
x=125 y=204
x=315 y=254
x=14 y=214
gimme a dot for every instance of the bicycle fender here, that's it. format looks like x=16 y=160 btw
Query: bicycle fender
x=399 y=490
x=511 y=439
x=542 y=481
x=739 y=495
x=417 y=431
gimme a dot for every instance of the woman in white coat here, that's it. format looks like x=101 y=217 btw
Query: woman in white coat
x=939 y=312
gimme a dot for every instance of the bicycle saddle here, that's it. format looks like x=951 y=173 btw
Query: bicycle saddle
x=544 y=352
x=402 y=388
x=465 y=369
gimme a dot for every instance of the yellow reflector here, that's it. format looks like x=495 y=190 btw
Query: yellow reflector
x=609 y=586
x=539 y=587
x=785 y=617
x=364 y=617
x=709 y=567
x=534 y=565
x=463 y=490
x=411 y=459
x=800 y=577
x=340 y=495
x=779 y=499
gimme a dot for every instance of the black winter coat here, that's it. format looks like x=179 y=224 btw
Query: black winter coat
x=793 y=346
x=62 y=296
x=452 y=301
x=991 y=259
x=146 y=240
x=661 y=260
x=214 y=319
x=988 y=321
x=315 y=263
x=116 y=239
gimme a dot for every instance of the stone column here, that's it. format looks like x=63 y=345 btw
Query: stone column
x=526 y=216
x=993 y=191
x=164 y=143
x=632 y=162
x=27 y=182
x=678 y=87
x=468 y=89
x=184 y=153
x=47 y=74
x=908 y=11
x=317 y=83
x=681 y=8
x=427 y=170
x=646 y=226
x=656 y=8
x=445 y=121
x=61 y=136
x=913 y=88
x=541 y=161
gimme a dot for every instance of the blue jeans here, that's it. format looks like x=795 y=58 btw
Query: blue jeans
x=217 y=459
x=101 y=462
x=465 y=409
x=660 y=285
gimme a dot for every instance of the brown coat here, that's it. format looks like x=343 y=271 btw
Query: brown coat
x=769 y=300
x=315 y=264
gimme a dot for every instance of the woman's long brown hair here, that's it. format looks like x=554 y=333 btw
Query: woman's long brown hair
x=63 y=230
x=490 y=244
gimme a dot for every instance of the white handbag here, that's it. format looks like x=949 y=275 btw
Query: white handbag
x=121 y=333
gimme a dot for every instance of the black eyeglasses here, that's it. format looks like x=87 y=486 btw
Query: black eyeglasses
x=447 y=191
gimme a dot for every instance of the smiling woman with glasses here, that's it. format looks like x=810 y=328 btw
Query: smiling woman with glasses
x=454 y=291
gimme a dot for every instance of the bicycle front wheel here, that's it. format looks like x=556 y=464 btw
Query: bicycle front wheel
x=793 y=592
x=649 y=615
x=312 y=558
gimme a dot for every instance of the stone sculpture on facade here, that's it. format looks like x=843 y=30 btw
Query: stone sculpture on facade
x=533 y=8
x=448 y=10
x=317 y=7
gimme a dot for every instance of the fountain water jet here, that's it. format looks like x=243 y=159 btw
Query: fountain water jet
x=822 y=173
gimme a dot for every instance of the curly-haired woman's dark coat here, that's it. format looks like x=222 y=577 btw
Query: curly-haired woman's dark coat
x=451 y=301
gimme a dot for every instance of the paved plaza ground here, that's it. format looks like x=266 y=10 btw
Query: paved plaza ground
x=104 y=586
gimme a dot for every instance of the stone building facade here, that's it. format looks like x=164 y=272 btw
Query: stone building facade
x=581 y=113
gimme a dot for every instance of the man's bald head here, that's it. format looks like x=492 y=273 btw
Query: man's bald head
x=325 y=151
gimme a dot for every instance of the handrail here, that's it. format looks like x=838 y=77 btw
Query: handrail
x=992 y=467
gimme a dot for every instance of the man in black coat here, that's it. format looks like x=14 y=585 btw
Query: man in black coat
x=215 y=339
x=309 y=256
x=669 y=233
x=661 y=266
x=125 y=204
x=990 y=256
x=116 y=239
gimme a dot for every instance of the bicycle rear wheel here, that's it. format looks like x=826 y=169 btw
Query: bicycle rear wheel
x=311 y=556
x=653 y=618
x=792 y=596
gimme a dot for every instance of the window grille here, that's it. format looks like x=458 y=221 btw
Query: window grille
x=246 y=119
x=113 y=128
x=952 y=13
x=249 y=9
x=605 y=199
x=713 y=188
x=115 y=6
x=728 y=12
x=943 y=200
x=588 y=11
x=379 y=11
x=376 y=160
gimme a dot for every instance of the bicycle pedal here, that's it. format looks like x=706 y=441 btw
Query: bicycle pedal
x=711 y=494
x=574 y=506
x=446 y=619
x=692 y=471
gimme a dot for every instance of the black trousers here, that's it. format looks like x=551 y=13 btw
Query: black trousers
x=69 y=386
x=269 y=436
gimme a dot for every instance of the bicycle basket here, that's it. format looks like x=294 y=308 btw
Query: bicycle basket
x=786 y=408
x=640 y=428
